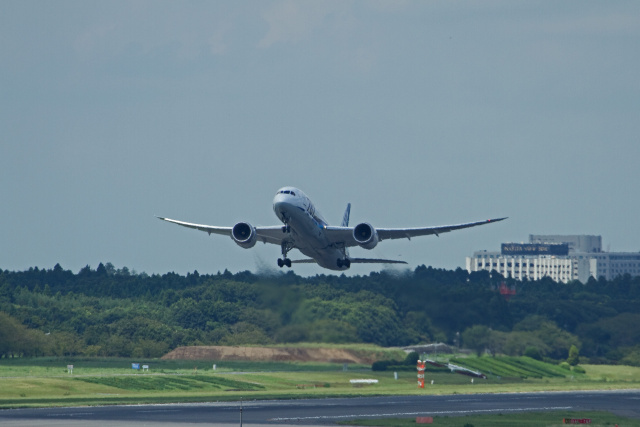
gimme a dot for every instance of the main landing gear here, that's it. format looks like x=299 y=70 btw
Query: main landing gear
x=283 y=262
x=286 y=247
x=346 y=262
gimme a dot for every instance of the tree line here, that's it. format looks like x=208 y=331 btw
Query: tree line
x=118 y=312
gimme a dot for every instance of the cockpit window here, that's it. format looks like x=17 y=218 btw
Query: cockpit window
x=287 y=192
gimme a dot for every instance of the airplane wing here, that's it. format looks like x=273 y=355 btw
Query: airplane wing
x=344 y=235
x=401 y=233
x=206 y=228
x=271 y=234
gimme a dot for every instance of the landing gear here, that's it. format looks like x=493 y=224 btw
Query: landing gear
x=283 y=262
x=286 y=228
x=346 y=262
x=286 y=247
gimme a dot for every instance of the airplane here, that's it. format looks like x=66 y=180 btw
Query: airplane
x=305 y=229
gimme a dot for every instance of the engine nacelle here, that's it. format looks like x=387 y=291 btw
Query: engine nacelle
x=244 y=235
x=365 y=235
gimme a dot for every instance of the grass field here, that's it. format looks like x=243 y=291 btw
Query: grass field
x=535 y=419
x=45 y=381
x=52 y=366
x=513 y=367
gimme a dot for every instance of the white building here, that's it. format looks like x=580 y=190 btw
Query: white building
x=612 y=264
x=562 y=258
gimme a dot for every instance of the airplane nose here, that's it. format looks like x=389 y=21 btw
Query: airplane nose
x=283 y=206
x=276 y=206
x=279 y=205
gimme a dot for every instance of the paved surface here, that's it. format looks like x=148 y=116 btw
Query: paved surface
x=323 y=411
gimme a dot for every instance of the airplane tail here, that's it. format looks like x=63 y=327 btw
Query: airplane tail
x=345 y=218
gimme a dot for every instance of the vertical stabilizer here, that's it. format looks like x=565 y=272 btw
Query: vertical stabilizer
x=345 y=218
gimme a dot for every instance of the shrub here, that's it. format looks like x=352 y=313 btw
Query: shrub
x=565 y=365
x=573 y=356
x=412 y=358
x=579 y=369
x=533 y=353
x=382 y=365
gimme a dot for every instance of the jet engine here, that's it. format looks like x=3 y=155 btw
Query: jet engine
x=365 y=235
x=244 y=235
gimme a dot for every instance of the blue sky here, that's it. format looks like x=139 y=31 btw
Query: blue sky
x=417 y=112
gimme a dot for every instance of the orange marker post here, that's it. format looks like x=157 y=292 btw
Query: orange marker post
x=421 y=368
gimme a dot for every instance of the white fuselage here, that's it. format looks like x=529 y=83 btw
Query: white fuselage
x=307 y=227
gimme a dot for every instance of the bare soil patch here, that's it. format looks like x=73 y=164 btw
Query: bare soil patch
x=269 y=354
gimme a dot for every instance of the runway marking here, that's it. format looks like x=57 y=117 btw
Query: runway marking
x=75 y=414
x=396 y=414
x=464 y=400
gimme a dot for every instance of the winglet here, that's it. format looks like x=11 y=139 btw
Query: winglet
x=497 y=219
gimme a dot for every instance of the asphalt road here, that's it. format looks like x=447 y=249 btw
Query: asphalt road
x=324 y=411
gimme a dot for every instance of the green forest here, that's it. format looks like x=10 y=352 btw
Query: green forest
x=118 y=312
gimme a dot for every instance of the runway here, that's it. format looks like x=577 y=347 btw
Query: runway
x=309 y=412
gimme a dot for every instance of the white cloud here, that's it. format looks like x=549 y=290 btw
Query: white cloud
x=187 y=32
x=290 y=21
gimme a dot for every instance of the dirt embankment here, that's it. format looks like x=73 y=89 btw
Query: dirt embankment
x=269 y=354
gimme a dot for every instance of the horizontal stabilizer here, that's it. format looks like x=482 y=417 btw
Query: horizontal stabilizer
x=353 y=261
x=303 y=261
x=375 y=261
